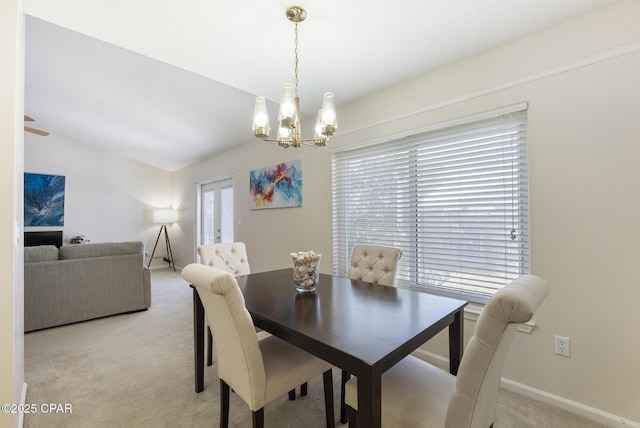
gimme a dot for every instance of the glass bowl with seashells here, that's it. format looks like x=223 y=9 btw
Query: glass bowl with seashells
x=306 y=270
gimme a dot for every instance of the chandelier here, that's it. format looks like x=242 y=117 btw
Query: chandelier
x=289 y=128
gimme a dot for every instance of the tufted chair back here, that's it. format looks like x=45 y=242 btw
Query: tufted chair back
x=230 y=257
x=376 y=264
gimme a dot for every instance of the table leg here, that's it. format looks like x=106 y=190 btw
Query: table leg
x=456 y=345
x=198 y=340
x=369 y=401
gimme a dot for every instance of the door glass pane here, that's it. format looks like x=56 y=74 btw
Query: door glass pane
x=226 y=214
x=208 y=210
x=216 y=211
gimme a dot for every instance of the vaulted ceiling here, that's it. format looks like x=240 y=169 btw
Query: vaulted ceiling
x=169 y=83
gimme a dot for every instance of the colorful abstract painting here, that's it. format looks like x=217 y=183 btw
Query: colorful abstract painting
x=278 y=186
x=43 y=200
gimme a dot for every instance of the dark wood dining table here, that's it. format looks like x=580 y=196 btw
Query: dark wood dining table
x=357 y=326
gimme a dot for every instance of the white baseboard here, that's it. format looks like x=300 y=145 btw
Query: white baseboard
x=431 y=358
x=570 y=406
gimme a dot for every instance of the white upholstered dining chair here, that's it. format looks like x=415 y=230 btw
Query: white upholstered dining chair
x=376 y=264
x=231 y=257
x=417 y=394
x=257 y=370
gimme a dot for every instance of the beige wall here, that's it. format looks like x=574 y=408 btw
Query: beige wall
x=11 y=106
x=581 y=83
x=272 y=234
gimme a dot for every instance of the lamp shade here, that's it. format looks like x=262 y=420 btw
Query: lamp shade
x=287 y=107
x=165 y=216
x=329 y=122
x=261 y=126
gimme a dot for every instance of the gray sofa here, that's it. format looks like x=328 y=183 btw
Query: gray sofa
x=83 y=282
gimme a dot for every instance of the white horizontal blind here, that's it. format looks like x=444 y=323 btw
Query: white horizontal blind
x=455 y=200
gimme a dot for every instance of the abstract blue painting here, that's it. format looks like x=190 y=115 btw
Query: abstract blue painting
x=43 y=200
x=277 y=186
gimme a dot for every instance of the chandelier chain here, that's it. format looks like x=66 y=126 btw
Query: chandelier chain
x=296 y=58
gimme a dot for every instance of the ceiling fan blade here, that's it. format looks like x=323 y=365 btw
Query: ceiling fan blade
x=36 y=131
x=28 y=119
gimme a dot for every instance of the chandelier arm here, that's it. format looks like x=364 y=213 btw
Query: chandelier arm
x=306 y=143
x=309 y=140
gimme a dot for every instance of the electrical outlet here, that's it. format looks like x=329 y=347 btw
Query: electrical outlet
x=562 y=346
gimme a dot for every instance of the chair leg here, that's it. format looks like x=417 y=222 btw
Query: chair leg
x=209 y=347
x=303 y=389
x=258 y=418
x=353 y=416
x=292 y=394
x=327 y=378
x=344 y=416
x=224 y=404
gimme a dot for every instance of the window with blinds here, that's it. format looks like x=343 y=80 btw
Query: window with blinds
x=454 y=199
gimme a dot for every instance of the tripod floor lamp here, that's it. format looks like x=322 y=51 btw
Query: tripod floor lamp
x=164 y=217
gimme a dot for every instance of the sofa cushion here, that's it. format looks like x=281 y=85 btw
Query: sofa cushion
x=40 y=253
x=83 y=251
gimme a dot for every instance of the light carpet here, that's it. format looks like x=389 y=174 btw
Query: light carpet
x=136 y=370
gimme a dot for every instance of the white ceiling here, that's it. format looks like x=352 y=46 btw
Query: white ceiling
x=171 y=82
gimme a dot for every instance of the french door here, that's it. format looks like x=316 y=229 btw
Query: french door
x=216 y=211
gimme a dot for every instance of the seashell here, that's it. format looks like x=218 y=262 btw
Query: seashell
x=306 y=268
